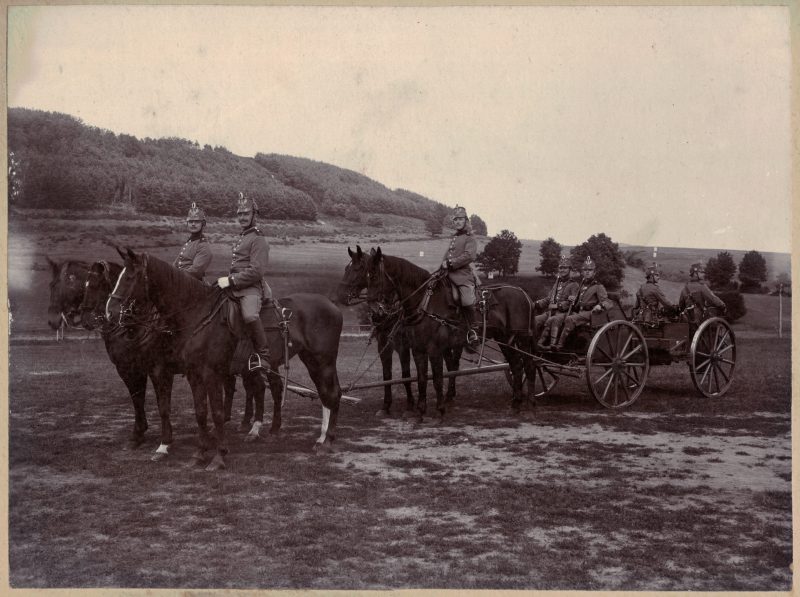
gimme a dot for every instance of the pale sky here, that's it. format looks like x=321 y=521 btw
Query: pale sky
x=665 y=126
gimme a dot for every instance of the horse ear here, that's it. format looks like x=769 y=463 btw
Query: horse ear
x=372 y=252
x=53 y=265
x=378 y=254
x=131 y=255
x=349 y=252
x=359 y=252
x=121 y=254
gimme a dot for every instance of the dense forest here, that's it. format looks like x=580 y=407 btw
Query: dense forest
x=57 y=162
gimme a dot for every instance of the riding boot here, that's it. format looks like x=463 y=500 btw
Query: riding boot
x=544 y=337
x=260 y=357
x=569 y=325
x=469 y=315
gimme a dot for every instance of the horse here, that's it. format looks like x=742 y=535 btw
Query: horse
x=429 y=311
x=205 y=333
x=66 y=292
x=134 y=350
x=391 y=335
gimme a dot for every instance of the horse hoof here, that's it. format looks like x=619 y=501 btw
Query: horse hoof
x=216 y=464
x=134 y=442
x=244 y=426
x=323 y=448
x=251 y=437
x=382 y=414
x=159 y=456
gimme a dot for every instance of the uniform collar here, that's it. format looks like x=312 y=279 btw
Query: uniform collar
x=462 y=231
x=249 y=230
x=196 y=236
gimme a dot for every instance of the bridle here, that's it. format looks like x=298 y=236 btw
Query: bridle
x=353 y=288
x=127 y=306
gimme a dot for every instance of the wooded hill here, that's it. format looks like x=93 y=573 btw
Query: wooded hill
x=57 y=162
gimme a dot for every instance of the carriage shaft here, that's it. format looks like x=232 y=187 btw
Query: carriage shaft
x=473 y=371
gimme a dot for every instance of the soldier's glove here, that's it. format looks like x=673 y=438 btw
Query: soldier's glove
x=224 y=282
x=597 y=308
x=553 y=306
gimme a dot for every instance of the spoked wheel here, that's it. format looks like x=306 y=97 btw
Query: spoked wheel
x=712 y=357
x=617 y=364
x=545 y=379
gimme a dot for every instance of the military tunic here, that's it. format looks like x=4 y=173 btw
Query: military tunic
x=460 y=254
x=695 y=297
x=588 y=298
x=195 y=256
x=248 y=269
x=648 y=298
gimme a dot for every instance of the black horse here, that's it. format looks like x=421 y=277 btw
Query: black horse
x=391 y=334
x=139 y=351
x=66 y=293
x=206 y=331
x=435 y=326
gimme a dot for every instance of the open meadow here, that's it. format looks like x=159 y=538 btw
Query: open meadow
x=677 y=492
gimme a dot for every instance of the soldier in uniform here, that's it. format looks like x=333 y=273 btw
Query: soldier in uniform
x=457 y=260
x=591 y=297
x=195 y=255
x=246 y=278
x=696 y=296
x=649 y=296
x=555 y=304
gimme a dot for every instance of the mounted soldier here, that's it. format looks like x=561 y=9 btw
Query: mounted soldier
x=195 y=255
x=696 y=297
x=649 y=297
x=246 y=279
x=555 y=305
x=457 y=261
x=591 y=298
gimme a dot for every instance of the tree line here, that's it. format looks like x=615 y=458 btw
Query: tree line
x=58 y=162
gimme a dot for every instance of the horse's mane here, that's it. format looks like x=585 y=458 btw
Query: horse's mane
x=182 y=286
x=406 y=269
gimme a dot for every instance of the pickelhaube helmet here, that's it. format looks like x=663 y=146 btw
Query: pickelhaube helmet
x=588 y=263
x=696 y=270
x=195 y=213
x=652 y=271
x=459 y=212
x=564 y=262
x=244 y=203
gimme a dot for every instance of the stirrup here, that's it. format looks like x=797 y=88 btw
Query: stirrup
x=255 y=362
x=472 y=336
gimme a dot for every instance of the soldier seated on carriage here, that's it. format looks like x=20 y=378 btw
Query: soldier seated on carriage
x=556 y=304
x=590 y=299
x=696 y=299
x=650 y=299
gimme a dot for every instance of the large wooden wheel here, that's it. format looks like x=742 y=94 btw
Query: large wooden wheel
x=617 y=364
x=712 y=357
x=545 y=378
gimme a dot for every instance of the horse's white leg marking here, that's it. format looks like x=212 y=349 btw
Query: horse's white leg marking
x=255 y=428
x=326 y=417
x=113 y=292
x=163 y=449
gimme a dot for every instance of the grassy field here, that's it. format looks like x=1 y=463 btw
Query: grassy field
x=675 y=493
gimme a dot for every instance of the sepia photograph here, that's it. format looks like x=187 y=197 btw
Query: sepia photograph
x=371 y=298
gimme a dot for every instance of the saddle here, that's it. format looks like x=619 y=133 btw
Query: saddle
x=274 y=318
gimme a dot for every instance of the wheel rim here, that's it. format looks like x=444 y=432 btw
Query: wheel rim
x=713 y=357
x=617 y=364
x=544 y=380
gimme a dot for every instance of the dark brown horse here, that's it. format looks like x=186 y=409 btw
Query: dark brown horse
x=391 y=334
x=435 y=325
x=139 y=351
x=205 y=335
x=66 y=293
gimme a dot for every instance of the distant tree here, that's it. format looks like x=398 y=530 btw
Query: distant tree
x=501 y=254
x=752 y=271
x=607 y=257
x=734 y=304
x=720 y=270
x=352 y=213
x=433 y=225
x=549 y=256
x=478 y=225
x=632 y=258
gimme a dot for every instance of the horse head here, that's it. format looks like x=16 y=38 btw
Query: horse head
x=66 y=292
x=131 y=288
x=100 y=280
x=355 y=277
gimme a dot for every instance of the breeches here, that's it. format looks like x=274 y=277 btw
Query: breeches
x=580 y=318
x=464 y=294
x=555 y=321
x=251 y=307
